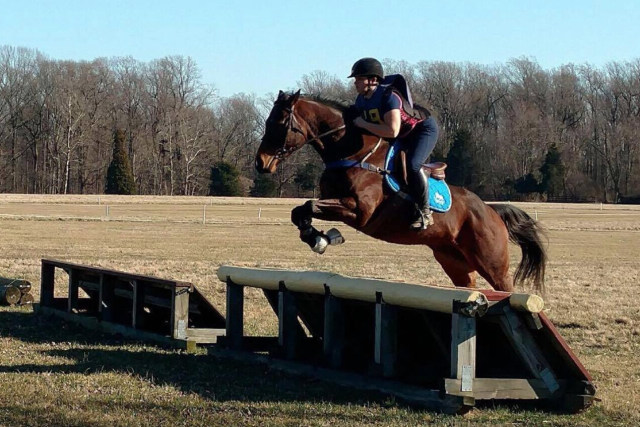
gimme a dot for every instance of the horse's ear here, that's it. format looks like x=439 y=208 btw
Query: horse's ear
x=295 y=97
x=280 y=96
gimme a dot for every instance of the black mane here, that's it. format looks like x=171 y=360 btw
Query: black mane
x=339 y=104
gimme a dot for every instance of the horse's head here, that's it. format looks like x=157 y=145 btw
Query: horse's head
x=284 y=133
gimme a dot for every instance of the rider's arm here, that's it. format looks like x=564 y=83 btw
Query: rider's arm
x=389 y=128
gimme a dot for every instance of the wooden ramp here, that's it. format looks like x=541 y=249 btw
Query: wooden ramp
x=442 y=348
x=145 y=307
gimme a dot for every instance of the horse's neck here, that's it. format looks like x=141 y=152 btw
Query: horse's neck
x=340 y=145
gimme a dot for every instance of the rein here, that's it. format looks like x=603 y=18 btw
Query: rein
x=281 y=152
x=293 y=125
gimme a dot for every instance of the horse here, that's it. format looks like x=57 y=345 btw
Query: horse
x=471 y=237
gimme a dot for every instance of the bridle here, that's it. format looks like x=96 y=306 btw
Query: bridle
x=293 y=125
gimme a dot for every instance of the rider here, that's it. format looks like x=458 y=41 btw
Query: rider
x=383 y=114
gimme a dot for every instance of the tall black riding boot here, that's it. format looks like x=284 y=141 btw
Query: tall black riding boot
x=420 y=192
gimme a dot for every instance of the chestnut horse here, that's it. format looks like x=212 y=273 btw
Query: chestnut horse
x=471 y=237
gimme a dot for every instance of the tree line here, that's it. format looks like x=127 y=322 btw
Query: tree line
x=512 y=130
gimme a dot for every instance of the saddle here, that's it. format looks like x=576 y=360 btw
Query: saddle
x=434 y=170
x=396 y=164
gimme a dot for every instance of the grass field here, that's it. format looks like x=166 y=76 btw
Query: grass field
x=53 y=373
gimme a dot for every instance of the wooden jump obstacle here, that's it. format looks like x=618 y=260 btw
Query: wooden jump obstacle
x=443 y=348
x=142 y=307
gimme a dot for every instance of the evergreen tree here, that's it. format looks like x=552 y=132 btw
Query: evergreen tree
x=461 y=165
x=225 y=180
x=527 y=184
x=263 y=186
x=553 y=172
x=307 y=177
x=120 y=174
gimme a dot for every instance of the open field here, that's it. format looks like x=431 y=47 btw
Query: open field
x=53 y=373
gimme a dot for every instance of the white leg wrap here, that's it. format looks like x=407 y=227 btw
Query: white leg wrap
x=321 y=245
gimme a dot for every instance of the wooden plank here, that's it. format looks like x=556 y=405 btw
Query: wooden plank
x=252 y=344
x=463 y=347
x=565 y=351
x=205 y=335
x=499 y=388
x=148 y=299
x=73 y=291
x=288 y=325
x=106 y=298
x=526 y=347
x=169 y=284
x=235 y=315
x=333 y=343
x=47 y=283
x=137 y=320
x=180 y=313
x=386 y=337
x=532 y=321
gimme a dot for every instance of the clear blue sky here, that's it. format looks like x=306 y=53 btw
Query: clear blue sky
x=261 y=46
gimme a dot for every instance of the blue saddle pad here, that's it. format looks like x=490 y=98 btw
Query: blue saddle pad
x=439 y=193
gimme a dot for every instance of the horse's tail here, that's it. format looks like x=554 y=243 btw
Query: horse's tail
x=525 y=232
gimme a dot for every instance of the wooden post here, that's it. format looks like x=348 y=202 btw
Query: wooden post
x=235 y=315
x=333 y=343
x=72 y=302
x=47 y=281
x=106 y=298
x=386 y=337
x=463 y=347
x=138 y=304
x=288 y=325
x=179 y=312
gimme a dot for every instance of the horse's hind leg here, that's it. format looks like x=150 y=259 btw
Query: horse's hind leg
x=488 y=253
x=456 y=266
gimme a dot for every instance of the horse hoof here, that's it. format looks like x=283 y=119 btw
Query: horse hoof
x=334 y=236
x=321 y=245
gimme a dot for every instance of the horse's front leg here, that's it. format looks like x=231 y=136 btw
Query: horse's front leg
x=330 y=210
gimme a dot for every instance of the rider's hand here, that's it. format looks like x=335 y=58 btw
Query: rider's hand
x=359 y=122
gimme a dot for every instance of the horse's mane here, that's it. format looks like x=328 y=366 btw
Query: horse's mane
x=339 y=104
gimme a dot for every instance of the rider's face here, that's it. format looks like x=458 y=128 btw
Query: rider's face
x=363 y=84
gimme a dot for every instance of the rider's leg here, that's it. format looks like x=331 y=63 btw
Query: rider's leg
x=420 y=143
x=420 y=192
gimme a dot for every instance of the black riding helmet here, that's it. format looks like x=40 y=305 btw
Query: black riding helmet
x=367 y=67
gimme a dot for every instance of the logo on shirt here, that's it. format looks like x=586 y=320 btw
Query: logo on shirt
x=372 y=116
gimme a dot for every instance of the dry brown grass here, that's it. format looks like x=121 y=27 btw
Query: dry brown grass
x=592 y=283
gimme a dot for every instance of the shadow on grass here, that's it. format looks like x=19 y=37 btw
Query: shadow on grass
x=213 y=378
x=220 y=379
